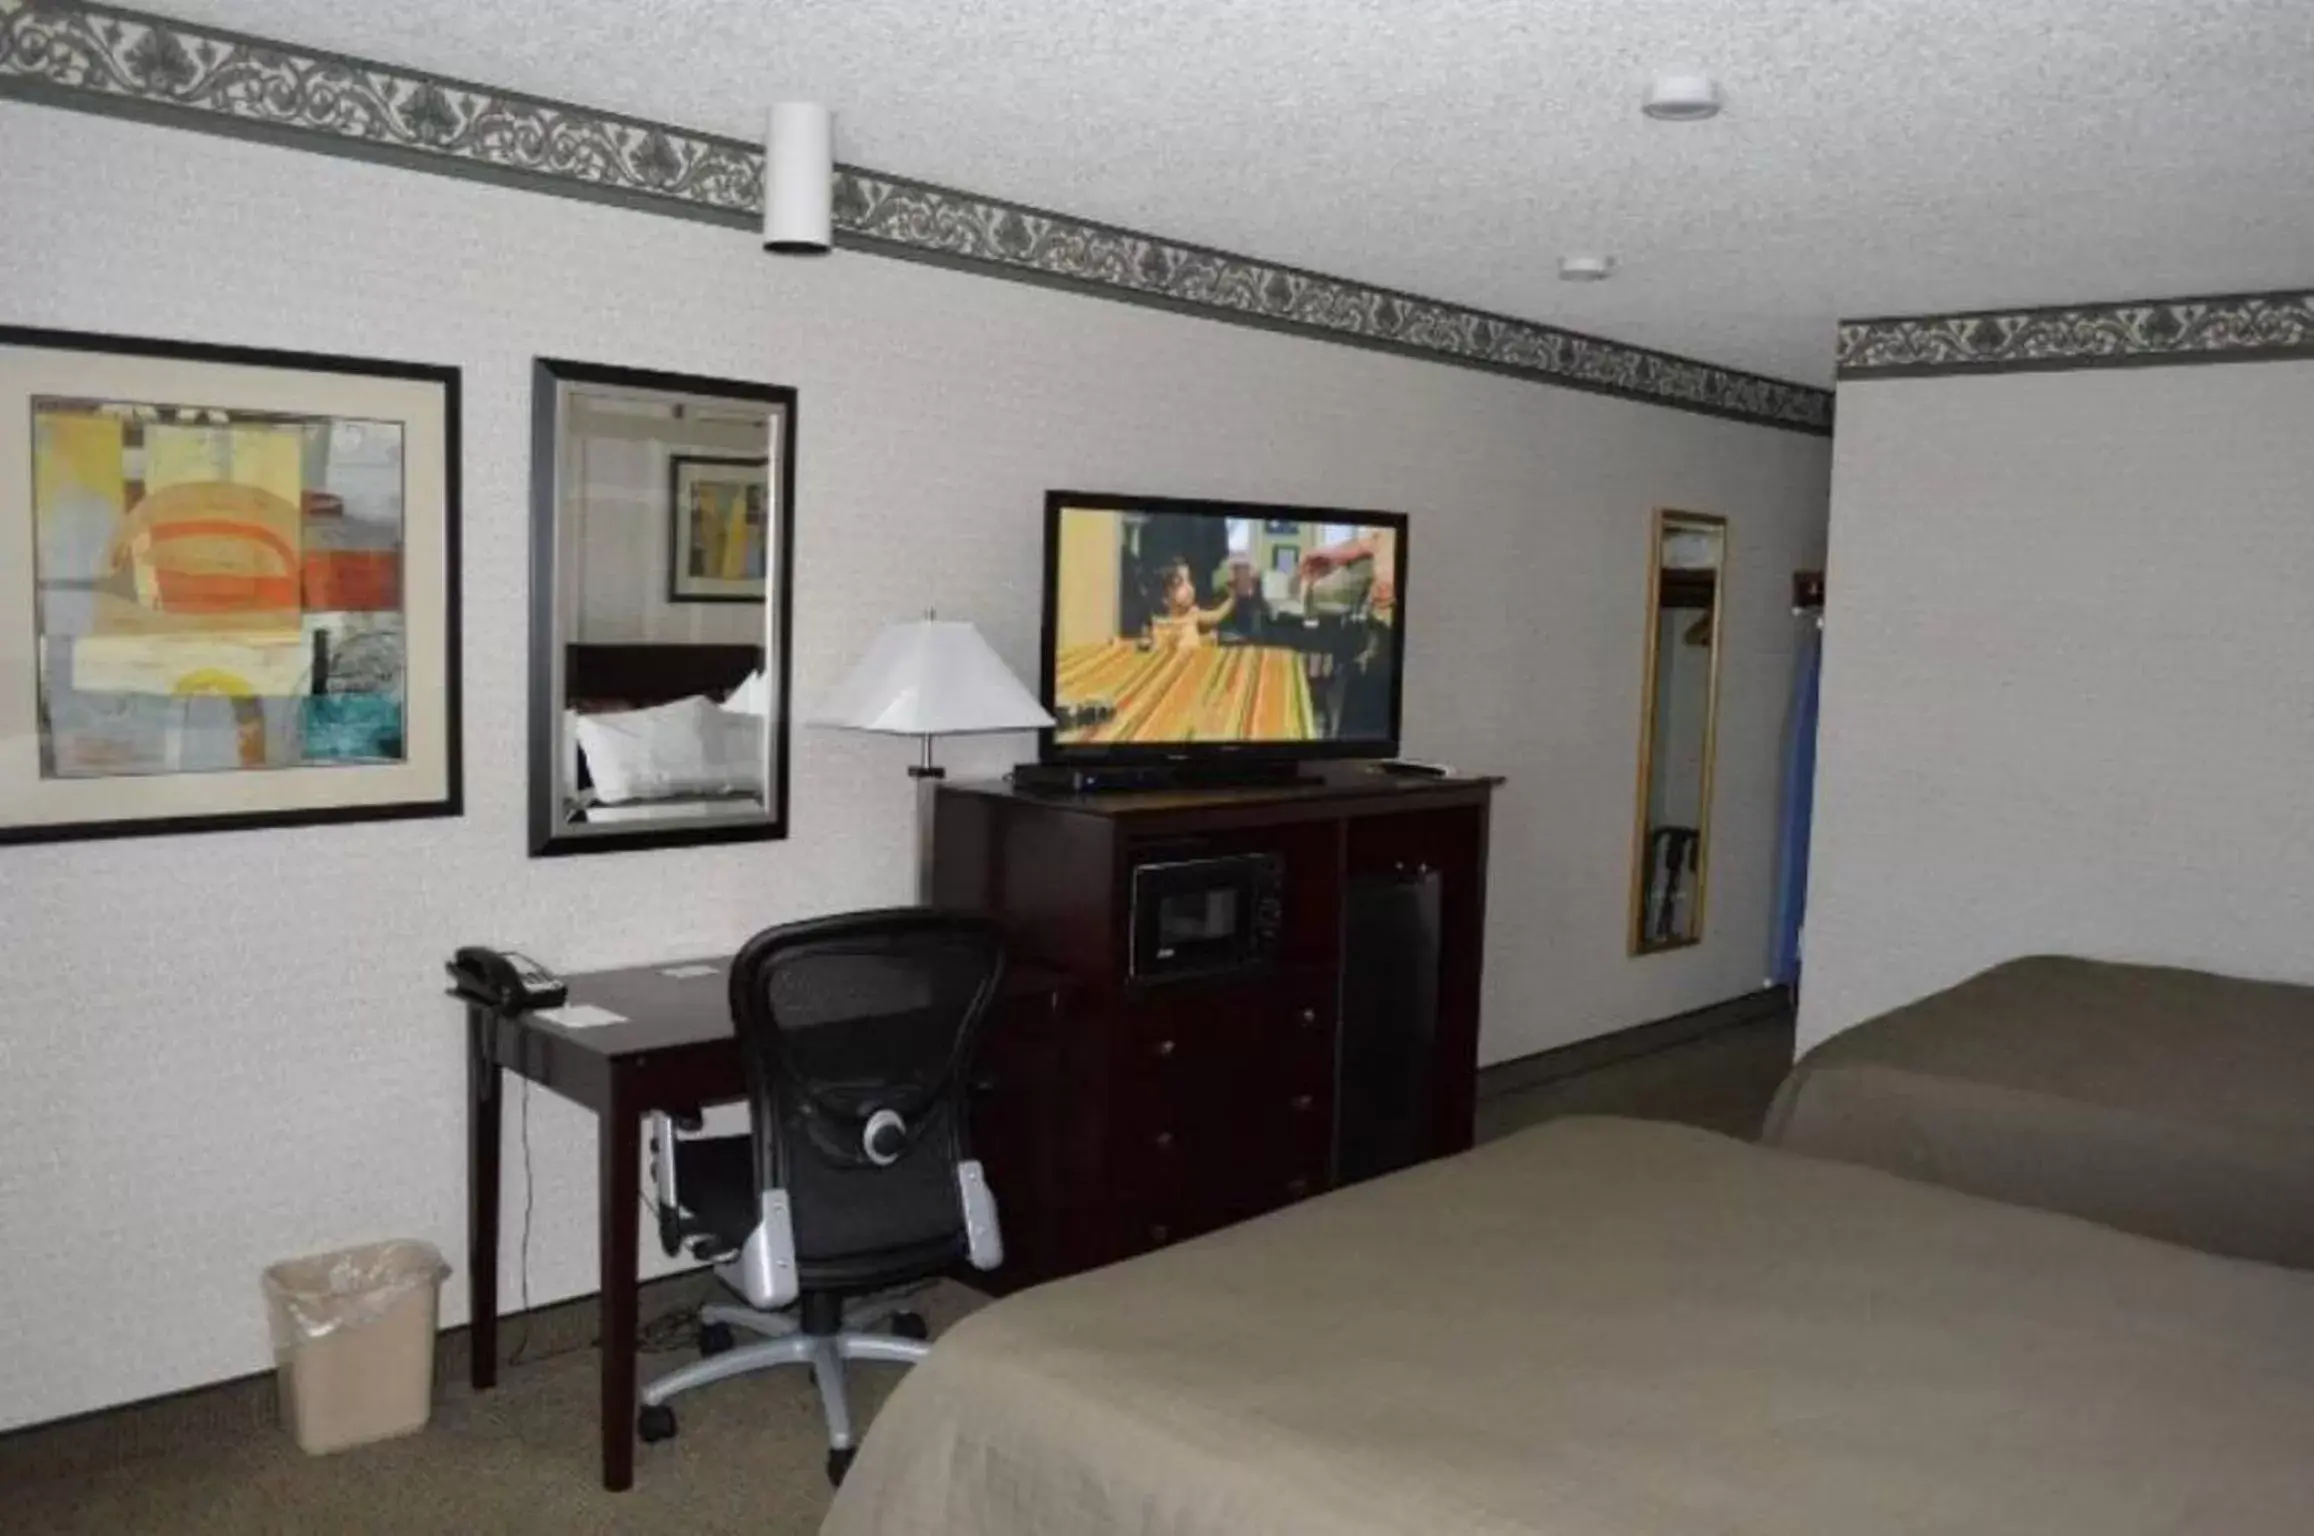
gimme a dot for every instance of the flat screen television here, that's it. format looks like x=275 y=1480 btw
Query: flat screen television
x=1183 y=630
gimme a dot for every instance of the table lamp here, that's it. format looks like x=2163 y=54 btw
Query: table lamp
x=924 y=678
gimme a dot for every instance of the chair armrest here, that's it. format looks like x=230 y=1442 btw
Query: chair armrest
x=765 y=1273
x=666 y=1198
x=983 y=1237
x=663 y=1129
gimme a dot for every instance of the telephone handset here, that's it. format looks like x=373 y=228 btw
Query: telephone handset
x=510 y=982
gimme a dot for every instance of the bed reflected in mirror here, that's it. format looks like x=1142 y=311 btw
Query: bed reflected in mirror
x=1671 y=854
x=659 y=591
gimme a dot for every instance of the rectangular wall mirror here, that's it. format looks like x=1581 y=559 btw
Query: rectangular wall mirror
x=1671 y=852
x=661 y=524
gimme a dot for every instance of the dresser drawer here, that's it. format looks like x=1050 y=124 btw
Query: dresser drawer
x=1228 y=1156
x=1193 y=1185
x=1221 y=1104
x=1280 y=1029
x=1278 y=994
x=1302 y=1048
x=1287 y=1152
x=1147 y=1157
x=1144 y=1221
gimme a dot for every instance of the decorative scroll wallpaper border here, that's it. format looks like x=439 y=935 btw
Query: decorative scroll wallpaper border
x=2234 y=328
x=911 y=218
x=103 y=59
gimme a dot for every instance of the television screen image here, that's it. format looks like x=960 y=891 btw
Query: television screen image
x=1175 y=625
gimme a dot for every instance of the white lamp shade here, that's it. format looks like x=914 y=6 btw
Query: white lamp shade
x=799 y=167
x=931 y=677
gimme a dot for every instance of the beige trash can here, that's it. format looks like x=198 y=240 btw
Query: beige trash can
x=354 y=1332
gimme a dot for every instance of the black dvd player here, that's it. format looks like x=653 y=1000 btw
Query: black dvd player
x=1103 y=778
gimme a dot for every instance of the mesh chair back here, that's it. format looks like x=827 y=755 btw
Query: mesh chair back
x=841 y=1018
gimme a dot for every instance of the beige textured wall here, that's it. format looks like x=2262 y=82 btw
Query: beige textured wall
x=2067 y=700
x=221 y=1050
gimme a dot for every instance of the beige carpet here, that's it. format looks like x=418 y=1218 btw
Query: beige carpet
x=750 y=1458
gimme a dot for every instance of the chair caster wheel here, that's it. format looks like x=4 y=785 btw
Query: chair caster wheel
x=910 y=1325
x=714 y=1339
x=839 y=1462
x=655 y=1423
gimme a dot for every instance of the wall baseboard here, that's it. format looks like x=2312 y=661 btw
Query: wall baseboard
x=1565 y=1061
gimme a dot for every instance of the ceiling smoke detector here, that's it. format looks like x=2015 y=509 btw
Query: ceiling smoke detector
x=1681 y=98
x=1586 y=269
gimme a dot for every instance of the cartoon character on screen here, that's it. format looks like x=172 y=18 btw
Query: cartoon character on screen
x=1179 y=624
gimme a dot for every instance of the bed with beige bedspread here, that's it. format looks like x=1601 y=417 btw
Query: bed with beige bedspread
x=1613 y=1328
x=2170 y=1102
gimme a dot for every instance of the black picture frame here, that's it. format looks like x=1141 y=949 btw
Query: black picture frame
x=678 y=545
x=549 y=836
x=1051 y=750
x=449 y=381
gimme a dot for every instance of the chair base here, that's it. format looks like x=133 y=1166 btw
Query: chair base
x=859 y=1314
x=784 y=1340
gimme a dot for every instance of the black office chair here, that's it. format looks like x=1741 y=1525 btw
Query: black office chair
x=855 y=1175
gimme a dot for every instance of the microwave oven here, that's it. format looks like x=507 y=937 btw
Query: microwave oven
x=1204 y=916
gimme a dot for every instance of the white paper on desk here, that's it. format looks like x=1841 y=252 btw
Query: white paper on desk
x=579 y=1016
x=687 y=972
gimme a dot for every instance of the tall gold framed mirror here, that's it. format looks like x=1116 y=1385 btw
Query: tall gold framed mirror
x=1678 y=729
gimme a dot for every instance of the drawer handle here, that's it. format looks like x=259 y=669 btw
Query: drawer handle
x=1297 y=1187
x=1303 y=1101
x=1164 y=1047
x=1158 y=1232
x=1163 y=1141
x=1309 y=1017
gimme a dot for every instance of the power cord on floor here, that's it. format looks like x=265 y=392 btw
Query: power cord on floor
x=675 y=1329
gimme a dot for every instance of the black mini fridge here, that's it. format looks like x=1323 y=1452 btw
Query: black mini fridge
x=1384 y=1098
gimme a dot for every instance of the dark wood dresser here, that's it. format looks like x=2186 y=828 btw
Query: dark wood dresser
x=1140 y=1110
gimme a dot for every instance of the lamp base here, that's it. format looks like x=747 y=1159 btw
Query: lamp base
x=927 y=777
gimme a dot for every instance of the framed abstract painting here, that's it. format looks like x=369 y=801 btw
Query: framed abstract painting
x=241 y=603
x=722 y=526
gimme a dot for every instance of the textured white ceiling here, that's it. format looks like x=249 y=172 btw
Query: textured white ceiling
x=1877 y=156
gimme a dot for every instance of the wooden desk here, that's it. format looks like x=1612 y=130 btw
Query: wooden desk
x=675 y=1052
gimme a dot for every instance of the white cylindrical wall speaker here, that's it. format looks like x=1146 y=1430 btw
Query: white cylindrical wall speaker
x=799 y=168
